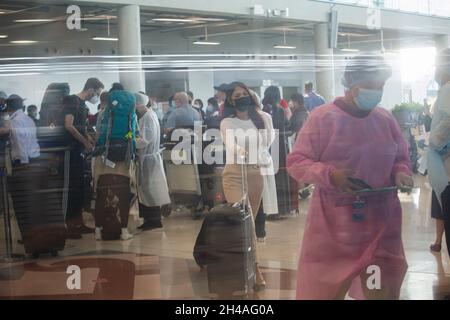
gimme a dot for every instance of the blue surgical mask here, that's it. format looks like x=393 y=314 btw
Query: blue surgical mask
x=368 y=99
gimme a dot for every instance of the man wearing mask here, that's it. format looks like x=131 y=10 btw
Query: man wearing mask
x=438 y=160
x=343 y=147
x=153 y=192
x=75 y=119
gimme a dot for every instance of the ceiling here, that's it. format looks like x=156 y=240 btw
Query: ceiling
x=99 y=19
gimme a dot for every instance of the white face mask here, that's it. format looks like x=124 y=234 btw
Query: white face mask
x=95 y=99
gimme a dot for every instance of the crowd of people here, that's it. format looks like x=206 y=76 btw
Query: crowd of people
x=336 y=146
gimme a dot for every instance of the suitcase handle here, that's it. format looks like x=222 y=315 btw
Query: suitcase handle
x=244 y=200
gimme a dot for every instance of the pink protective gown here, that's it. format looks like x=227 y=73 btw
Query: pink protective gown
x=335 y=248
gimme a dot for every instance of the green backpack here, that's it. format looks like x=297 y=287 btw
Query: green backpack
x=117 y=139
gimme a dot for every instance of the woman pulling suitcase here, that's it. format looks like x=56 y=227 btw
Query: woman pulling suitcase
x=245 y=134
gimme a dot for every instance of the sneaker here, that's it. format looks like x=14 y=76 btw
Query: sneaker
x=125 y=235
x=98 y=234
x=261 y=240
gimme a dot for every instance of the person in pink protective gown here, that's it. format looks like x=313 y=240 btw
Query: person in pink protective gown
x=347 y=233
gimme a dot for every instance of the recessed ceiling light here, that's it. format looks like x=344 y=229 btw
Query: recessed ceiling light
x=3 y=36
x=284 y=47
x=206 y=43
x=349 y=50
x=210 y=19
x=101 y=17
x=34 y=20
x=23 y=41
x=172 y=20
x=105 y=39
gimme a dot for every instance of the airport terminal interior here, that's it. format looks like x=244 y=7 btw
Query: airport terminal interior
x=85 y=215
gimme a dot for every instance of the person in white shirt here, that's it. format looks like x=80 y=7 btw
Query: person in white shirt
x=152 y=189
x=438 y=156
x=24 y=145
x=246 y=134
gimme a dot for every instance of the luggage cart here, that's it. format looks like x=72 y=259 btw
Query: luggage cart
x=184 y=183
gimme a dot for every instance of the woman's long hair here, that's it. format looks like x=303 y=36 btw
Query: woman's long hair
x=272 y=97
x=253 y=113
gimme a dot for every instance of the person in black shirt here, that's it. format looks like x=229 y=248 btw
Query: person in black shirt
x=271 y=105
x=299 y=114
x=75 y=119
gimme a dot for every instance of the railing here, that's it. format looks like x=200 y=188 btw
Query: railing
x=440 y=8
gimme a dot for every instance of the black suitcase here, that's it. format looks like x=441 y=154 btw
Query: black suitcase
x=212 y=188
x=39 y=195
x=225 y=246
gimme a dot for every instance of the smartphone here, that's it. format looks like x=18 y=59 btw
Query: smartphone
x=360 y=183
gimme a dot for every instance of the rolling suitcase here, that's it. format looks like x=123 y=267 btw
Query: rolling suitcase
x=225 y=246
x=39 y=194
x=212 y=188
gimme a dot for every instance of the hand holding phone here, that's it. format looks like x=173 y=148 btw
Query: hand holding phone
x=360 y=183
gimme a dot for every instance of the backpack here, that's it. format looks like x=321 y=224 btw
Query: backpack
x=117 y=137
x=52 y=102
x=50 y=130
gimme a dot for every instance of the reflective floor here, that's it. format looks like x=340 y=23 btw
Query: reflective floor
x=159 y=264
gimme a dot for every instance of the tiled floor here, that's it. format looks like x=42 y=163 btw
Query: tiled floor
x=159 y=264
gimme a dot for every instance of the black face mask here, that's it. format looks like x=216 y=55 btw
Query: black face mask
x=242 y=104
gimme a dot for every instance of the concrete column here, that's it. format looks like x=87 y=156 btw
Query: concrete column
x=442 y=41
x=324 y=62
x=201 y=83
x=132 y=76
